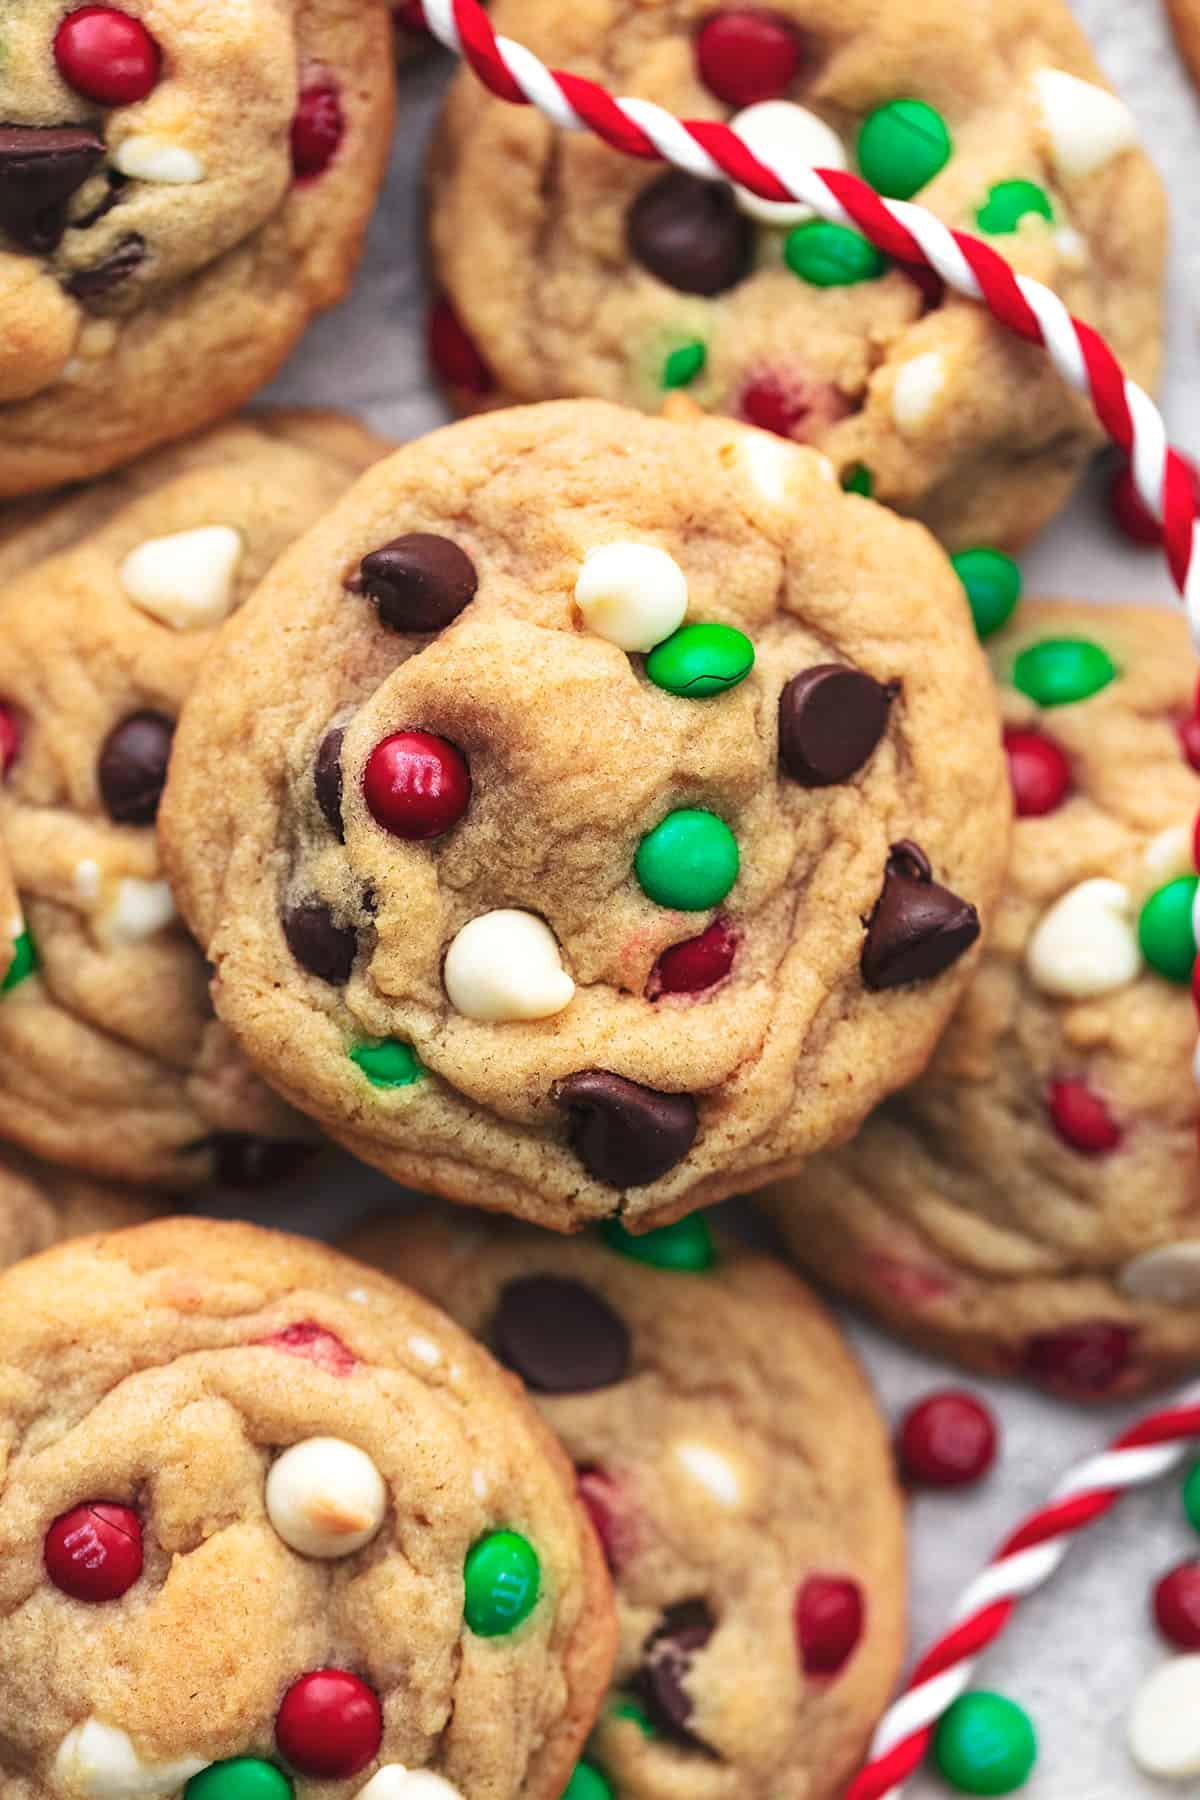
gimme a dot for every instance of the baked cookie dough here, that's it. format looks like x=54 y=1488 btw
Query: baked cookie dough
x=111 y=1060
x=1185 y=22
x=40 y=1205
x=181 y=190
x=1031 y=1206
x=590 y=815
x=570 y=269
x=271 y=1525
x=740 y=1476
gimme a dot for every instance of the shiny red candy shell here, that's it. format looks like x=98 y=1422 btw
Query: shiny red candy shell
x=1038 y=771
x=417 y=786
x=697 y=964
x=94 y=1552
x=1128 y=513
x=315 y=1345
x=745 y=55
x=411 y=15
x=453 y=352
x=1189 y=740
x=1176 y=1605
x=1081 y=1118
x=107 y=56
x=828 y=1618
x=947 y=1440
x=10 y=739
x=1083 y=1361
x=1196 y=842
x=330 y=1725
x=317 y=129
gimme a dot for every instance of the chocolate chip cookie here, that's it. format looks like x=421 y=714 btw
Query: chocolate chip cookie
x=569 y=269
x=40 y=1205
x=271 y=1525
x=111 y=1060
x=181 y=190
x=1031 y=1205
x=739 y=1474
x=594 y=813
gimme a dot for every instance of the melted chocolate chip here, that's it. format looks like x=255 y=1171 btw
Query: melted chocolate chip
x=419 y=582
x=560 y=1336
x=241 y=1161
x=918 y=928
x=327 y=779
x=103 y=277
x=831 y=719
x=326 y=949
x=691 y=234
x=40 y=169
x=624 y=1134
x=132 y=767
x=667 y=1655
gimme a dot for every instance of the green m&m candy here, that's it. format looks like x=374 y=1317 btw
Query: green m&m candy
x=1165 y=930
x=23 y=965
x=626 y=1707
x=858 y=479
x=587 y=1783
x=1059 y=670
x=389 y=1063
x=985 y=1744
x=902 y=146
x=1191 y=1496
x=699 y=660
x=241 y=1778
x=992 y=583
x=503 y=1579
x=684 y=364
x=827 y=255
x=685 y=1247
x=689 y=862
x=1008 y=203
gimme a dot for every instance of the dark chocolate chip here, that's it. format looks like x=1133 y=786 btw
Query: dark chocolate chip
x=132 y=768
x=918 y=928
x=667 y=1655
x=691 y=234
x=327 y=779
x=326 y=949
x=560 y=1336
x=103 y=277
x=831 y=719
x=40 y=169
x=242 y=1161
x=419 y=582
x=624 y=1134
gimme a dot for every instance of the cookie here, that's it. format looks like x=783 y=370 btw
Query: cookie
x=110 y=1058
x=591 y=814
x=1030 y=1206
x=570 y=269
x=179 y=195
x=270 y=1524
x=40 y=1206
x=1185 y=22
x=739 y=1473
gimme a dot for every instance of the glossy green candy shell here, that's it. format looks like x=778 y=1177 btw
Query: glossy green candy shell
x=827 y=255
x=902 y=146
x=587 y=1783
x=1165 y=931
x=241 y=1778
x=1008 y=203
x=684 y=364
x=685 y=1247
x=1061 y=670
x=689 y=862
x=24 y=963
x=985 y=1744
x=502 y=1580
x=699 y=660
x=992 y=583
x=388 y=1064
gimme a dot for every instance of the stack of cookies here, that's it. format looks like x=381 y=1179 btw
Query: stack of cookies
x=588 y=813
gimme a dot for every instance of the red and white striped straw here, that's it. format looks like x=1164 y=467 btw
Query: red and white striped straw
x=713 y=151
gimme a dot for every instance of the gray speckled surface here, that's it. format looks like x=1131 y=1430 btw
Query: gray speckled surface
x=1081 y=1646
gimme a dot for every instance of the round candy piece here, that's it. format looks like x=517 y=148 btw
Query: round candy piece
x=828 y=255
x=1191 y=1496
x=1083 y=1361
x=1189 y=740
x=1176 y=1606
x=325 y=1498
x=1061 y=670
x=1081 y=1118
x=697 y=964
x=132 y=768
x=690 y=235
x=634 y=595
x=24 y=962
x=503 y=1579
x=1038 y=772
x=902 y=146
x=778 y=129
x=992 y=583
x=389 y=1063
x=745 y=55
x=454 y=354
x=587 y=1783
x=689 y=862
x=776 y=404
x=985 y=1744
x=828 y=1617
x=947 y=1440
x=330 y=1725
x=1163 y=1731
x=10 y=739
x=1165 y=929
x=1008 y=203
x=858 y=480
x=416 y=786
x=240 y=1778
x=684 y=363
x=560 y=1336
x=700 y=660
x=94 y=1552
x=318 y=127
x=107 y=56
x=393 y=1782
x=419 y=582
x=686 y=1247
x=831 y=719
x=506 y=965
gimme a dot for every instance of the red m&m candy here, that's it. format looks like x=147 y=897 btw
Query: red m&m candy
x=1038 y=771
x=1081 y=1118
x=745 y=54
x=411 y=15
x=10 y=739
x=107 y=56
x=828 y=1619
x=697 y=964
x=330 y=1725
x=416 y=786
x=1176 y=1606
x=947 y=1440
x=317 y=129
x=1083 y=1361
x=94 y=1552
x=454 y=354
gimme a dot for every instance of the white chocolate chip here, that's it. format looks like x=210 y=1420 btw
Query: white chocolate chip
x=918 y=383
x=713 y=1471
x=140 y=910
x=635 y=595
x=1163 y=1731
x=1170 y=1275
x=771 y=465
x=506 y=965
x=1168 y=856
x=425 y=1350
x=98 y=1762
x=395 y=1783
x=87 y=880
x=1086 y=944
x=149 y=158
x=325 y=1498
x=1072 y=247
x=778 y=131
x=479 y=1484
x=1087 y=125
x=185 y=580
